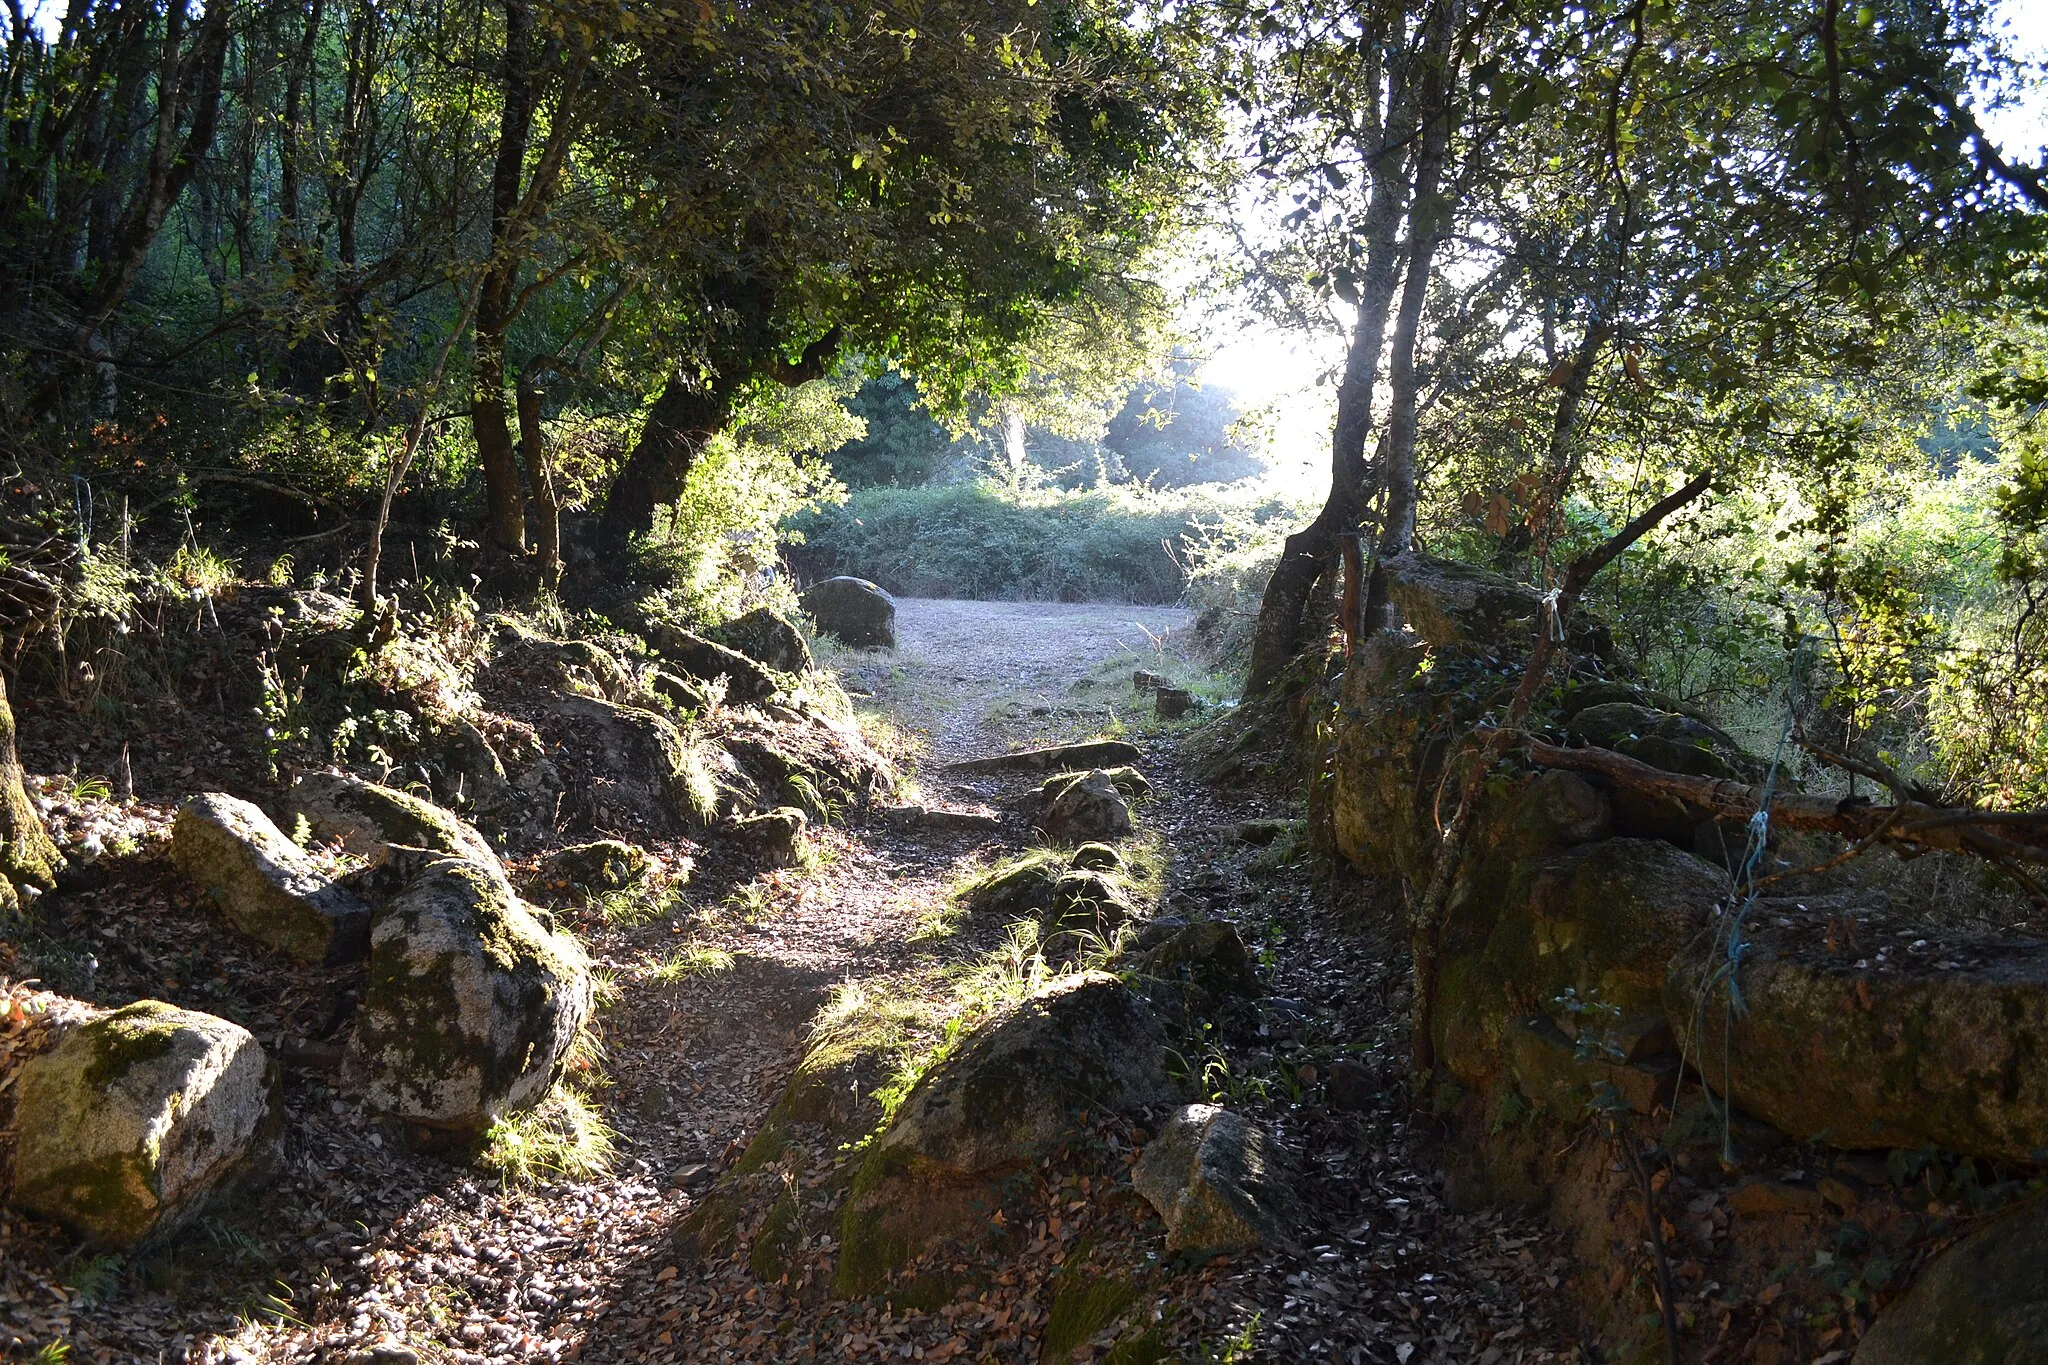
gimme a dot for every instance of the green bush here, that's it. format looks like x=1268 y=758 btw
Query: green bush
x=986 y=541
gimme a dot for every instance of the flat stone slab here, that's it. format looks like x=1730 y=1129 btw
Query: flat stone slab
x=1936 y=1048
x=1096 y=753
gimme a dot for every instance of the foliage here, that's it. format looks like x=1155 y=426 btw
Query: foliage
x=985 y=540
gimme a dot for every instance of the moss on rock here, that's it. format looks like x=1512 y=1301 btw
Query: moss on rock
x=471 y=1005
x=131 y=1123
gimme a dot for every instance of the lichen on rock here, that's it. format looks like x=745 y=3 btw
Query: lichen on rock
x=134 y=1120
x=471 y=1006
x=265 y=884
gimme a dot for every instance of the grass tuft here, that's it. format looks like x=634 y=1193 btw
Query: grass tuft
x=562 y=1136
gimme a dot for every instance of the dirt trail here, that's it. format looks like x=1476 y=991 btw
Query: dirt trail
x=969 y=677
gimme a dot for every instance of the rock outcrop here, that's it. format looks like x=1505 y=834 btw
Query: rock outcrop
x=1906 y=1051
x=763 y=635
x=136 y=1119
x=266 y=885
x=853 y=610
x=471 y=1005
x=706 y=661
x=368 y=819
x=1216 y=1182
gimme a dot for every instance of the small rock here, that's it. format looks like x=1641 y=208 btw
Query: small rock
x=1758 y=1197
x=1171 y=703
x=129 y=1125
x=1351 y=1087
x=1096 y=858
x=1215 y=1181
x=1208 y=955
x=1087 y=902
x=1836 y=1191
x=779 y=833
x=386 y=1353
x=601 y=866
x=1086 y=807
x=1259 y=833
x=853 y=610
x=264 y=883
x=1147 y=682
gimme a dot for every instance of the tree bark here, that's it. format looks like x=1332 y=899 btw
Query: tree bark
x=29 y=858
x=682 y=421
x=505 y=515
x=1283 y=609
x=540 y=475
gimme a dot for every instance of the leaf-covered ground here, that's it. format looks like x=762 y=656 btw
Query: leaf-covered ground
x=704 y=1242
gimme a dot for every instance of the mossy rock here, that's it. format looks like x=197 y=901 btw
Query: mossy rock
x=471 y=1006
x=652 y=773
x=1096 y=858
x=1018 y=889
x=368 y=818
x=745 y=680
x=264 y=884
x=766 y=637
x=1207 y=955
x=135 y=1121
x=600 y=867
x=1463 y=608
x=1217 y=1182
x=1601 y=921
x=1009 y=1096
x=1983 y=1302
x=1087 y=903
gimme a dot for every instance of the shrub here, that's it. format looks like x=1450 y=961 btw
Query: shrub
x=987 y=541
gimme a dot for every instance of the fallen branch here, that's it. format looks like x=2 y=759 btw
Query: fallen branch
x=1911 y=824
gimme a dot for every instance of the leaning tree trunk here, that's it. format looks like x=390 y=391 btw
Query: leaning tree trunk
x=29 y=858
x=679 y=425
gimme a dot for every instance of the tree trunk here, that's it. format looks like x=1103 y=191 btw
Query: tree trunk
x=683 y=419
x=540 y=475
x=29 y=858
x=1283 y=610
x=505 y=516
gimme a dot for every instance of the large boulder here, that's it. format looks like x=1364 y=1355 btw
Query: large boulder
x=1084 y=806
x=1676 y=743
x=368 y=819
x=763 y=635
x=1463 y=608
x=1011 y=1094
x=1583 y=937
x=1216 y=1182
x=1983 y=1302
x=853 y=610
x=265 y=884
x=132 y=1122
x=471 y=1005
x=1913 y=1050
x=707 y=661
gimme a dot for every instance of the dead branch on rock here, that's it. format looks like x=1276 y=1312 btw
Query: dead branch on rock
x=1428 y=918
x=1915 y=826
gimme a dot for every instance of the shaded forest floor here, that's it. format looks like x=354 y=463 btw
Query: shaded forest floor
x=720 y=988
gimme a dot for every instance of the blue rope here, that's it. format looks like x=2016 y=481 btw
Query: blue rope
x=1742 y=894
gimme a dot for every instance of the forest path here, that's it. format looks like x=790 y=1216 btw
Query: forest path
x=697 y=1062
